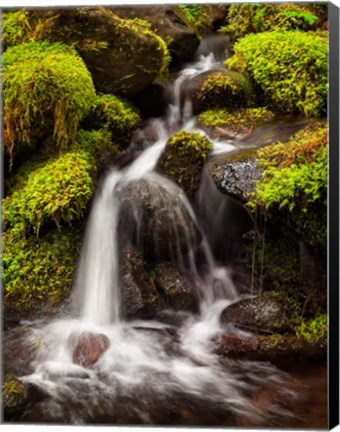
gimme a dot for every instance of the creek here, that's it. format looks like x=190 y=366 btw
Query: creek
x=153 y=372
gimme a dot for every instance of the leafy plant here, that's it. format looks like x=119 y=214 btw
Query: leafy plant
x=290 y=68
x=43 y=95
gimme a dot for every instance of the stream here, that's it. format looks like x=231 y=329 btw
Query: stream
x=152 y=372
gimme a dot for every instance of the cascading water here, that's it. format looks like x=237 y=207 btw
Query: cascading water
x=150 y=372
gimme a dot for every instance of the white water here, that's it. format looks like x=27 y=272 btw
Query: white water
x=147 y=372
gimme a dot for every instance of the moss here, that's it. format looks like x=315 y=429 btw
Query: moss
x=42 y=94
x=15 y=26
x=57 y=191
x=111 y=113
x=314 y=331
x=183 y=158
x=256 y=18
x=14 y=394
x=38 y=271
x=236 y=120
x=227 y=89
x=290 y=68
x=196 y=15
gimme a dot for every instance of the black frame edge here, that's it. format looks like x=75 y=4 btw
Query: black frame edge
x=333 y=230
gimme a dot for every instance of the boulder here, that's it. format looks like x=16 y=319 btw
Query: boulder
x=171 y=24
x=89 y=348
x=175 y=288
x=140 y=298
x=155 y=217
x=122 y=56
x=267 y=313
x=14 y=398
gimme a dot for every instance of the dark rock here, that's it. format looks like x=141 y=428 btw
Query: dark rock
x=265 y=314
x=152 y=101
x=140 y=298
x=155 y=217
x=20 y=347
x=89 y=348
x=170 y=23
x=175 y=288
x=14 y=398
x=123 y=57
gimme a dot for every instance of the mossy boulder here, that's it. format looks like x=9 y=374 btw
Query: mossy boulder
x=225 y=124
x=122 y=56
x=113 y=114
x=155 y=217
x=206 y=18
x=257 y=18
x=38 y=271
x=183 y=158
x=171 y=23
x=42 y=95
x=291 y=68
x=14 y=397
x=223 y=89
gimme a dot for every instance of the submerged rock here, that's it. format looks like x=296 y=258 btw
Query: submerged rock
x=155 y=216
x=89 y=348
x=175 y=288
x=264 y=314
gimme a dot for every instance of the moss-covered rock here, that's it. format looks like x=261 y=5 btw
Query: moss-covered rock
x=171 y=23
x=42 y=95
x=206 y=18
x=57 y=191
x=231 y=124
x=261 y=17
x=38 y=271
x=123 y=56
x=223 y=89
x=290 y=68
x=14 y=397
x=111 y=113
x=183 y=159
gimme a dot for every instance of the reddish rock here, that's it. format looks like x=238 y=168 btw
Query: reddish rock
x=89 y=348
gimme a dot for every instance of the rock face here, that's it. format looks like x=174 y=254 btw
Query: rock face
x=170 y=23
x=175 y=288
x=89 y=348
x=264 y=314
x=123 y=57
x=155 y=217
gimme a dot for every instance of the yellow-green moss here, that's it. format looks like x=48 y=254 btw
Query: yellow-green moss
x=57 y=191
x=291 y=68
x=183 y=158
x=38 y=271
x=248 y=118
x=225 y=89
x=256 y=18
x=111 y=113
x=47 y=91
x=14 y=394
x=314 y=331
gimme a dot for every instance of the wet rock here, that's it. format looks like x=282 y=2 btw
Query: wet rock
x=20 y=347
x=123 y=57
x=175 y=288
x=265 y=314
x=14 y=398
x=170 y=23
x=236 y=173
x=152 y=101
x=89 y=348
x=155 y=217
x=140 y=298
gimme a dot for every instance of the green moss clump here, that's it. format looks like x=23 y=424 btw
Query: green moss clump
x=314 y=332
x=46 y=87
x=196 y=15
x=257 y=18
x=14 y=395
x=115 y=115
x=290 y=68
x=225 y=89
x=38 y=271
x=248 y=118
x=57 y=191
x=183 y=158
x=15 y=26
